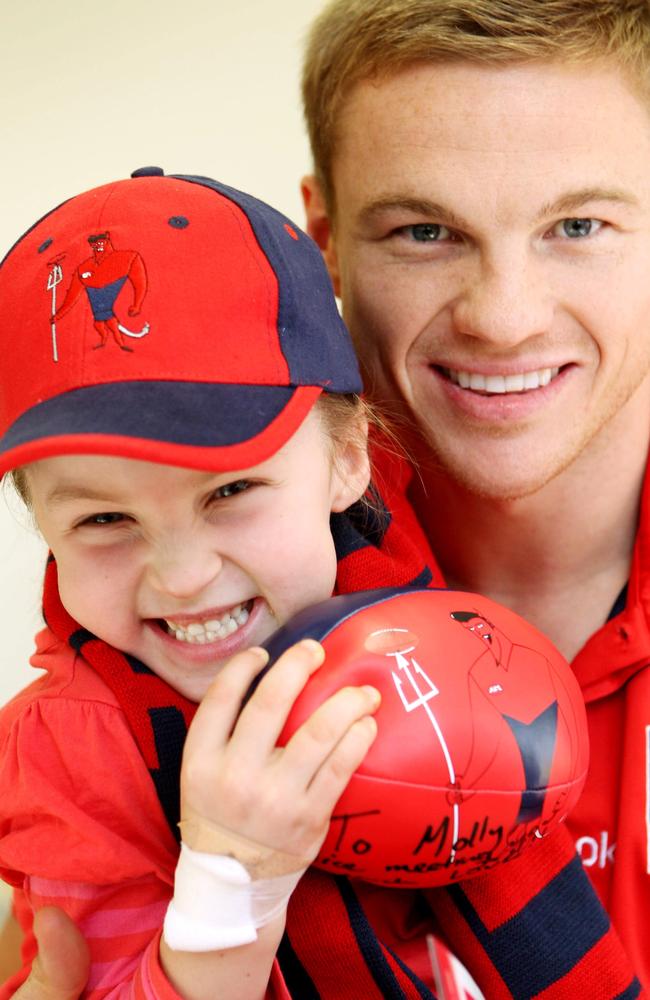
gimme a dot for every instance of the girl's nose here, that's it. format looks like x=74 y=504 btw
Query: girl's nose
x=182 y=570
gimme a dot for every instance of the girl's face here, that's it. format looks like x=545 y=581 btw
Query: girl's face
x=182 y=569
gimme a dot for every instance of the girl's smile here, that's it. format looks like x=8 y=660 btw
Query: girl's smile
x=181 y=569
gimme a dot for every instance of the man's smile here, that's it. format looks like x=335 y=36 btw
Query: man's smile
x=500 y=383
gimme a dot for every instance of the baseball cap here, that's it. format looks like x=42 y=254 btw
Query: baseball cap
x=171 y=319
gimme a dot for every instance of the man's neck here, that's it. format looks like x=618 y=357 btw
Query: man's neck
x=559 y=557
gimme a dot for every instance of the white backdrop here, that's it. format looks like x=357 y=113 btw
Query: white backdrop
x=89 y=92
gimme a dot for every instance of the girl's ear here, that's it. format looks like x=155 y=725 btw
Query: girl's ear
x=351 y=468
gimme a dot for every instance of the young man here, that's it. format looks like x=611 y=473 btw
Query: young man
x=482 y=197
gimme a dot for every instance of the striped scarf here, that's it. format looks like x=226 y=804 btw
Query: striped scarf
x=523 y=931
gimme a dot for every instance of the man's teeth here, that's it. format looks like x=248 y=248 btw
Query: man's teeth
x=210 y=631
x=502 y=383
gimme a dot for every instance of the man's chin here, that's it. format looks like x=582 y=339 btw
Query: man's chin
x=498 y=478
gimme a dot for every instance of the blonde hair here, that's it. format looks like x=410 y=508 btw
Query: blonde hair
x=354 y=40
x=19 y=479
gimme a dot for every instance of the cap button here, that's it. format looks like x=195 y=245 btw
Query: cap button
x=148 y=172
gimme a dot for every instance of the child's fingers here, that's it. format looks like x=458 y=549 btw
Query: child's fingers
x=318 y=738
x=221 y=704
x=332 y=777
x=265 y=714
x=226 y=753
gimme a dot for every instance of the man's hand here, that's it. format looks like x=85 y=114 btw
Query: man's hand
x=61 y=969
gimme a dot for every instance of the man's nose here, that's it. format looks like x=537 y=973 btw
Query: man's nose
x=183 y=568
x=504 y=302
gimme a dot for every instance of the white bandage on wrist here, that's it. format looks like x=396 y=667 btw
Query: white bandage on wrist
x=259 y=860
x=217 y=905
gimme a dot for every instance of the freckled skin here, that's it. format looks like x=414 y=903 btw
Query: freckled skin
x=479 y=155
x=158 y=542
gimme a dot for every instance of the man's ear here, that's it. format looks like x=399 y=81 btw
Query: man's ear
x=351 y=473
x=319 y=225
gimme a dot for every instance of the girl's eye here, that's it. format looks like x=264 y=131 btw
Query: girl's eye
x=231 y=489
x=428 y=232
x=576 y=229
x=108 y=517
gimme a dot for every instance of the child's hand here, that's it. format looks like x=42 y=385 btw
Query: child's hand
x=242 y=796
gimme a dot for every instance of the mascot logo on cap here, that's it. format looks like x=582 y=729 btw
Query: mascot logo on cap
x=102 y=276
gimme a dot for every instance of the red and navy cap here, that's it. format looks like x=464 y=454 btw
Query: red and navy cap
x=170 y=319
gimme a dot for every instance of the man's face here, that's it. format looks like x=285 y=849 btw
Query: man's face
x=492 y=250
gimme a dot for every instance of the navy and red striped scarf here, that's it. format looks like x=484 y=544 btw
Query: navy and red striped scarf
x=523 y=931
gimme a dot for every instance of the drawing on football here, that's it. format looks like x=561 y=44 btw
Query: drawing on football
x=482 y=741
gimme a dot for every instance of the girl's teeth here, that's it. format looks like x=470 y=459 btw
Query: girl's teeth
x=209 y=631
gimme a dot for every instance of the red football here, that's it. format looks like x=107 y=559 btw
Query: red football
x=482 y=738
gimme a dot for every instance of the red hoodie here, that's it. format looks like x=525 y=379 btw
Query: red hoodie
x=611 y=823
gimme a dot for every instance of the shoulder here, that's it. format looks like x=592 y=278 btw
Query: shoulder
x=88 y=263
x=68 y=713
x=66 y=678
x=124 y=258
x=392 y=475
x=75 y=793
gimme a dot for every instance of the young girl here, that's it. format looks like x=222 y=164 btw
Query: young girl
x=179 y=408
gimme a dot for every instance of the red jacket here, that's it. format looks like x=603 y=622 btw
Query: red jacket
x=611 y=823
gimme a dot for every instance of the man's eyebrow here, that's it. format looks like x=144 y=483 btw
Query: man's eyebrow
x=430 y=210
x=435 y=211
x=572 y=201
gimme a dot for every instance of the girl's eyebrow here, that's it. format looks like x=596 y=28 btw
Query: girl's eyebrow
x=68 y=492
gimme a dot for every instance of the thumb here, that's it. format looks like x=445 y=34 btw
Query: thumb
x=61 y=968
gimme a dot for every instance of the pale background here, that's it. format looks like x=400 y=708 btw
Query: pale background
x=91 y=91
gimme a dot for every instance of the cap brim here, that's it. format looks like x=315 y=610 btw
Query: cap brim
x=194 y=425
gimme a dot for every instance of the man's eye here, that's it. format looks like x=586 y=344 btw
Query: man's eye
x=231 y=489
x=428 y=232
x=108 y=517
x=576 y=229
